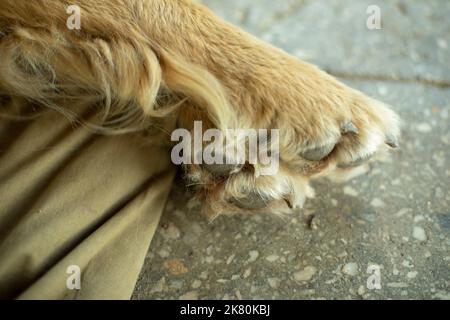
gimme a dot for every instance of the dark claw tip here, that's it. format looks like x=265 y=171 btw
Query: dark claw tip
x=221 y=170
x=349 y=127
x=391 y=141
x=288 y=202
x=224 y=169
x=253 y=201
x=318 y=153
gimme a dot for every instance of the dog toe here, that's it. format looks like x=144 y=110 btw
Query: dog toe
x=317 y=154
x=252 y=201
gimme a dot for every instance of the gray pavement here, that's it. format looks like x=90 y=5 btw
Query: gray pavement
x=396 y=219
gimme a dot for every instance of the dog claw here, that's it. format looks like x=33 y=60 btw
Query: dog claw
x=318 y=153
x=349 y=127
x=253 y=201
x=288 y=202
x=354 y=163
x=391 y=141
x=221 y=170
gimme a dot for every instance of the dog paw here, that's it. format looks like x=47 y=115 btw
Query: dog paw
x=325 y=129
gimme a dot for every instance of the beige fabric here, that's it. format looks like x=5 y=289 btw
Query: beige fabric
x=70 y=197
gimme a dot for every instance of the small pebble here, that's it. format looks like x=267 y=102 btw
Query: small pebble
x=407 y=264
x=159 y=286
x=191 y=295
x=350 y=269
x=442 y=43
x=350 y=191
x=247 y=273
x=424 y=127
x=272 y=258
x=361 y=290
x=419 y=234
x=196 y=284
x=402 y=212
x=163 y=253
x=306 y=274
x=230 y=259
x=171 y=232
x=273 y=282
x=377 y=203
x=196 y=228
x=253 y=256
x=411 y=274
x=175 y=267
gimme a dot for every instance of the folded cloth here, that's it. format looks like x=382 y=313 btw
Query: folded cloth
x=78 y=210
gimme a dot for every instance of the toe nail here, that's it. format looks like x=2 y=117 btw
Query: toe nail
x=349 y=127
x=288 y=201
x=224 y=167
x=253 y=201
x=221 y=170
x=391 y=141
x=318 y=153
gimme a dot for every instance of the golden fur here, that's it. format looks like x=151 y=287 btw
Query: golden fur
x=141 y=60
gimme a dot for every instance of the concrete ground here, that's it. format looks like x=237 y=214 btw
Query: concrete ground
x=394 y=221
